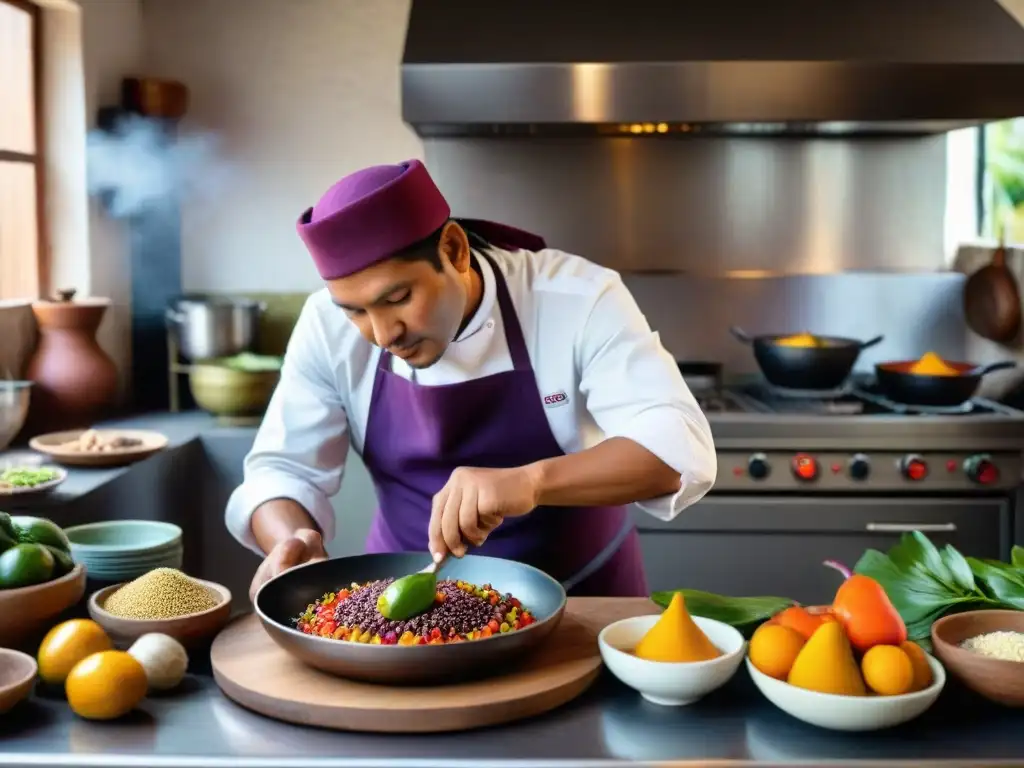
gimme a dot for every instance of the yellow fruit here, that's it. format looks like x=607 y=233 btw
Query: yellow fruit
x=67 y=644
x=774 y=648
x=675 y=637
x=887 y=670
x=106 y=685
x=826 y=663
x=918 y=660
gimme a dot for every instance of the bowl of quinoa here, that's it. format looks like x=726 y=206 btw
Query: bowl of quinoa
x=487 y=614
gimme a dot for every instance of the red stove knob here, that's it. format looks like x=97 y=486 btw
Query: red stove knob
x=805 y=467
x=913 y=467
x=980 y=469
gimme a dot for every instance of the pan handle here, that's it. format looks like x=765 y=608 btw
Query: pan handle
x=740 y=334
x=981 y=370
x=871 y=342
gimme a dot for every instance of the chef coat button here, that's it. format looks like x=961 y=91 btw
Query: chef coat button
x=490 y=323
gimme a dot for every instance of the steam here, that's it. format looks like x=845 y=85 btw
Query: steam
x=141 y=170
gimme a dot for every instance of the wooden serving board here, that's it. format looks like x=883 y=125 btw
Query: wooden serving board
x=255 y=672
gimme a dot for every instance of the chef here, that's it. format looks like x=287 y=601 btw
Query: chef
x=508 y=399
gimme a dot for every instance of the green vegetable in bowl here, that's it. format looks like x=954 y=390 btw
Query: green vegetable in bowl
x=24 y=565
x=925 y=583
x=40 y=551
x=27 y=477
x=252 y=363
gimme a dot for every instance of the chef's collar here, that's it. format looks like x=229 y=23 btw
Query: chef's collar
x=487 y=299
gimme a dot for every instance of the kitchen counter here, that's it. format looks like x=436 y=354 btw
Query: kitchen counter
x=198 y=727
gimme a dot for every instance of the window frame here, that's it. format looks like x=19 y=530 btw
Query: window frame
x=37 y=158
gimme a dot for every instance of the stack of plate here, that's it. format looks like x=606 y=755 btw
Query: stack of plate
x=122 y=550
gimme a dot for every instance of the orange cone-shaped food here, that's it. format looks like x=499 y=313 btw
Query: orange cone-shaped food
x=676 y=637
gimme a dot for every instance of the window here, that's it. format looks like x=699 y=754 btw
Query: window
x=21 y=168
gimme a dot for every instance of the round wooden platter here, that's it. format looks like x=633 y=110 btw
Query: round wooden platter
x=255 y=672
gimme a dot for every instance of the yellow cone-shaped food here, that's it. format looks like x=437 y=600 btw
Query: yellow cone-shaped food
x=826 y=663
x=676 y=637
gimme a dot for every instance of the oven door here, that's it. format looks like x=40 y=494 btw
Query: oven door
x=737 y=545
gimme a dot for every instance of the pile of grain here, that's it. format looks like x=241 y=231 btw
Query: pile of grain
x=163 y=593
x=1006 y=645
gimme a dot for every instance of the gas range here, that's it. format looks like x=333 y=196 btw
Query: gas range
x=855 y=440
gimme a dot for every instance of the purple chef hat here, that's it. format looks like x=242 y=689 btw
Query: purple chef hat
x=374 y=213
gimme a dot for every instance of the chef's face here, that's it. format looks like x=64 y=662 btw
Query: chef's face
x=412 y=304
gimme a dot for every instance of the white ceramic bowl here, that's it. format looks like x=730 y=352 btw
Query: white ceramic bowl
x=667 y=683
x=850 y=713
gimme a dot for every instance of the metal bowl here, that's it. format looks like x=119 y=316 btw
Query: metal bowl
x=14 y=399
x=285 y=597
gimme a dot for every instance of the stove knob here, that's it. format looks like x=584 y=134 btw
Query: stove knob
x=980 y=469
x=859 y=467
x=758 y=466
x=805 y=467
x=913 y=467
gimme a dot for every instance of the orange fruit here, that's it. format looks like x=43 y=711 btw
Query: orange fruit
x=106 y=685
x=803 y=620
x=918 y=660
x=774 y=648
x=887 y=670
x=67 y=644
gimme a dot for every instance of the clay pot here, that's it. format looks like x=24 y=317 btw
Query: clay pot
x=75 y=380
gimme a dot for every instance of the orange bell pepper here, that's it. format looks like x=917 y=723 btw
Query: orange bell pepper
x=865 y=611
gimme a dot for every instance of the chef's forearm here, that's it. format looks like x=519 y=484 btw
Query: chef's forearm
x=278 y=519
x=617 y=471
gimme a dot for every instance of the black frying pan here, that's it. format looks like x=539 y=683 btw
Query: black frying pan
x=822 y=367
x=286 y=597
x=901 y=386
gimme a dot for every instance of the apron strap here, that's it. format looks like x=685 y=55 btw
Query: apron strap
x=509 y=318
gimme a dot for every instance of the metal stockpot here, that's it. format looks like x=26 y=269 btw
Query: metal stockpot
x=206 y=327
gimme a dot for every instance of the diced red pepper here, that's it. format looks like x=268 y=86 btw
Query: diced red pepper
x=492 y=625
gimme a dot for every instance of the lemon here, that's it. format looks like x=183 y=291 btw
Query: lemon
x=106 y=685
x=774 y=648
x=67 y=644
x=887 y=670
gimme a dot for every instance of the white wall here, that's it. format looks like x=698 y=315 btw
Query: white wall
x=300 y=92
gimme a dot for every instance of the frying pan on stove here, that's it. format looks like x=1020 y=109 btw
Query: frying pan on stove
x=900 y=384
x=822 y=367
x=286 y=596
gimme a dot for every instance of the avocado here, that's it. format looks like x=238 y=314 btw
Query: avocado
x=408 y=596
x=63 y=563
x=8 y=533
x=24 y=565
x=39 y=530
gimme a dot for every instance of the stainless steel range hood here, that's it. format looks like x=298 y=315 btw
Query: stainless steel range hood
x=820 y=67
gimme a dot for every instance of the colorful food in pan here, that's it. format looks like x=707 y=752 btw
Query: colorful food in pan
x=461 y=611
x=931 y=364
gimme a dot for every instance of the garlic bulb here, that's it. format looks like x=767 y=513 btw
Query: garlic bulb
x=164 y=659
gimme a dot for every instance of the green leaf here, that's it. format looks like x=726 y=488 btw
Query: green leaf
x=1002 y=582
x=735 y=611
x=1017 y=557
x=959 y=568
x=915 y=551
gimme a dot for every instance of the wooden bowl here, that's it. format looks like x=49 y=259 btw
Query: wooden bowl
x=17 y=676
x=26 y=611
x=995 y=679
x=57 y=447
x=190 y=631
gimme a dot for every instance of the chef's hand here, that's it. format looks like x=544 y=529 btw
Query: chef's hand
x=305 y=546
x=473 y=503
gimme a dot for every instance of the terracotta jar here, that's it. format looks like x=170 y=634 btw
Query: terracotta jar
x=75 y=380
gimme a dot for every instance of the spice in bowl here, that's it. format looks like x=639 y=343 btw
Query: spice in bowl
x=163 y=593
x=461 y=611
x=1005 y=645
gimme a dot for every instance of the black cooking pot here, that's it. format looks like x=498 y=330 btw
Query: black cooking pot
x=822 y=367
x=896 y=382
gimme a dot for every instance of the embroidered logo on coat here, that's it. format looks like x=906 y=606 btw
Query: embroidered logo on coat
x=556 y=399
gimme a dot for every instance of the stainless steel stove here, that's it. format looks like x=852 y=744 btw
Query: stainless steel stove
x=809 y=476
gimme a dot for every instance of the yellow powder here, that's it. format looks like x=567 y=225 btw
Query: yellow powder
x=163 y=593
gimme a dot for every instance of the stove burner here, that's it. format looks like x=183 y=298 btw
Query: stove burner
x=924 y=410
x=809 y=394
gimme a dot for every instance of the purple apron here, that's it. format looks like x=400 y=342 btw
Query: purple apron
x=416 y=436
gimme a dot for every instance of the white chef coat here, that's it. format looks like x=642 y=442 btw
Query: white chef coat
x=600 y=369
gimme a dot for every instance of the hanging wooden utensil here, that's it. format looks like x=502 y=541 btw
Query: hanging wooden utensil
x=992 y=299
